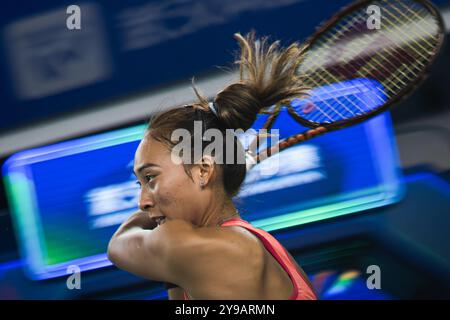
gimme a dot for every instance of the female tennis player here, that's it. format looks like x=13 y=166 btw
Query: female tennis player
x=188 y=232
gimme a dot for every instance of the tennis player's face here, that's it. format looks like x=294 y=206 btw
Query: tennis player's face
x=166 y=189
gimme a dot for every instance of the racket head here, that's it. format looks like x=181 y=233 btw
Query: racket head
x=327 y=69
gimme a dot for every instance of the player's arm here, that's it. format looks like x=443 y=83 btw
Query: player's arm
x=145 y=250
x=179 y=253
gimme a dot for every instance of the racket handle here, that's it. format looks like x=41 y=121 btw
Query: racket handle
x=291 y=141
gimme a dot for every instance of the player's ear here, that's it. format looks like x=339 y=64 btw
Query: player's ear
x=205 y=170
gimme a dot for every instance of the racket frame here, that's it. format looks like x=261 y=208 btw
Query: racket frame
x=321 y=128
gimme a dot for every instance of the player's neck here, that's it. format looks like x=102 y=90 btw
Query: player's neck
x=223 y=212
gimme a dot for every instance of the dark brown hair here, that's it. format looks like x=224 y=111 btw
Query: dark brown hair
x=267 y=77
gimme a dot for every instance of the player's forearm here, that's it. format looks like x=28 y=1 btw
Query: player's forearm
x=136 y=222
x=128 y=236
x=138 y=249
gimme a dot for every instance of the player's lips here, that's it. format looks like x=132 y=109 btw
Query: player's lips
x=159 y=219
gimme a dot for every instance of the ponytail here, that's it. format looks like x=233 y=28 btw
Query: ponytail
x=268 y=76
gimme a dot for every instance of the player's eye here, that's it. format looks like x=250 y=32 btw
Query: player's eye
x=149 y=177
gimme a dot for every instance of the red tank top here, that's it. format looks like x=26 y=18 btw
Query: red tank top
x=301 y=290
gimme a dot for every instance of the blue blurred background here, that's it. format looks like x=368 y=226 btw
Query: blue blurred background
x=74 y=104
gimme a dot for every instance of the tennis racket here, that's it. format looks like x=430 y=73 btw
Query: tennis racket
x=363 y=60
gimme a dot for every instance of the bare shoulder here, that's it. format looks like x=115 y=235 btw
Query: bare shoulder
x=184 y=235
x=218 y=258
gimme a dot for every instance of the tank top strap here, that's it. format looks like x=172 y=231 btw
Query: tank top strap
x=301 y=288
x=273 y=246
x=269 y=241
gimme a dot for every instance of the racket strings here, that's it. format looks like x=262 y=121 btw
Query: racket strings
x=423 y=19
x=340 y=33
x=419 y=47
x=320 y=69
x=405 y=34
x=372 y=66
x=426 y=53
x=357 y=55
x=417 y=64
x=336 y=102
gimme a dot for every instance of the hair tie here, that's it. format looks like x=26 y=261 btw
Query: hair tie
x=250 y=160
x=213 y=109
